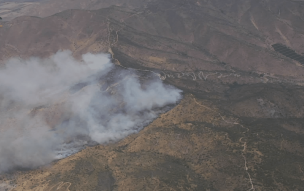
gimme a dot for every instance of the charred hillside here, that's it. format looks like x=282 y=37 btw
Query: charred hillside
x=240 y=123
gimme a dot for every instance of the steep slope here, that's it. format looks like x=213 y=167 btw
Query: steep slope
x=51 y=7
x=44 y=8
x=13 y=9
x=196 y=35
x=240 y=124
x=192 y=147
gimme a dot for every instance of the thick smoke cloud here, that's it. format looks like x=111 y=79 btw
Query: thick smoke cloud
x=50 y=108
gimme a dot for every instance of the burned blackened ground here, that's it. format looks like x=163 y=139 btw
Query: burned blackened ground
x=282 y=49
x=240 y=123
x=216 y=141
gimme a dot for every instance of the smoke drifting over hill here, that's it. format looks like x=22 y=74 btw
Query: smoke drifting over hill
x=50 y=108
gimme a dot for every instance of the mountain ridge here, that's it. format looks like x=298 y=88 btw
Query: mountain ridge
x=240 y=123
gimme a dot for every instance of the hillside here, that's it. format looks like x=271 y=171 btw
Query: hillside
x=240 y=123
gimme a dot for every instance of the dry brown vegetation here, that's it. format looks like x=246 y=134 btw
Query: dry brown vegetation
x=240 y=123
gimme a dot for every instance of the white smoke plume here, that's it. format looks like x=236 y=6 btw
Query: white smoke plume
x=50 y=108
